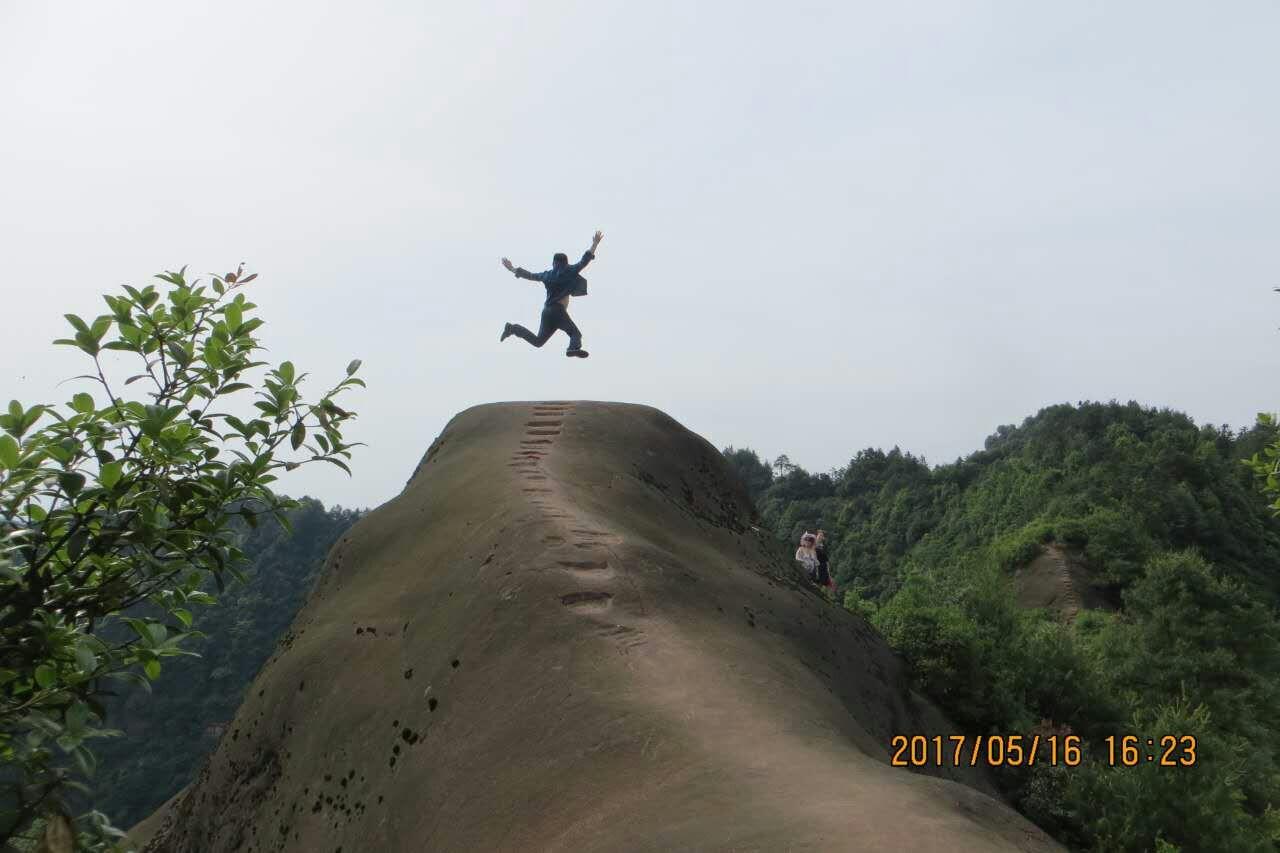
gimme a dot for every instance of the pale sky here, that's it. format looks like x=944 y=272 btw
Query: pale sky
x=828 y=226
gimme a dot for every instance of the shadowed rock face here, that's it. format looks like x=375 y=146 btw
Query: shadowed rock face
x=565 y=635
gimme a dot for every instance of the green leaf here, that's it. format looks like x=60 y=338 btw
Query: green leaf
x=238 y=425
x=156 y=633
x=28 y=420
x=353 y=366
x=286 y=371
x=337 y=462
x=86 y=659
x=152 y=669
x=45 y=675
x=8 y=451
x=153 y=422
x=72 y=482
x=85 y=760
x=110 y=474
x=78 y=718
x=76 y=323
x=82 y=403
x=101 y=326
x=298 y=435
x=75 y=545
x=183 y=616
x=87 y=342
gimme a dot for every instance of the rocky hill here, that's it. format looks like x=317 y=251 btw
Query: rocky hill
x=566 y=634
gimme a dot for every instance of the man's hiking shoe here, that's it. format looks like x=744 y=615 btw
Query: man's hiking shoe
x=579 y=353
x=506 y=332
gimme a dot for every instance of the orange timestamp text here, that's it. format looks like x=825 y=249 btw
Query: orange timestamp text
x=1026 y=750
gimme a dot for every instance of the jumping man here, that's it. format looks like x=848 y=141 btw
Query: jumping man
x=562 y=281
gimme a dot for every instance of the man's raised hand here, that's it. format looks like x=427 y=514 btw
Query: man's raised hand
x=595 y=241
x=506 y=263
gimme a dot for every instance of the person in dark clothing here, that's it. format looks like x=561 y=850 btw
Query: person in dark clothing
x=824 y=578
x=562 y=282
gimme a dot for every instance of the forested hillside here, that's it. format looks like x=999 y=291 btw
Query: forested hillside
x=169 y=731
x=1171 y=531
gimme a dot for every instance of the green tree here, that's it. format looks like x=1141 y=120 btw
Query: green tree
x=116 y=502
x=1265 y=461
x=756 y=475
x=170 y=729
x=1198 y=807
x=1189 y=629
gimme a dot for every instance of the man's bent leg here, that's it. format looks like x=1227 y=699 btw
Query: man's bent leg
x=524 y=334
x=546 y=329
x=571 y=329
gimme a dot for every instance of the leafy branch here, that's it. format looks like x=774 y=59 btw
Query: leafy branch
x=116 y=504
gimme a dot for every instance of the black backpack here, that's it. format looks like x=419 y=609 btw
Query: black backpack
x=579 y=286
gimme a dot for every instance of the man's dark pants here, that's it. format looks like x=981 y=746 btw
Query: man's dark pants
x=554 y=317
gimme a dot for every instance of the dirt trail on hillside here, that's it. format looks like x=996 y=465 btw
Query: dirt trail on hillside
x=1058 y=580
x=565 y=635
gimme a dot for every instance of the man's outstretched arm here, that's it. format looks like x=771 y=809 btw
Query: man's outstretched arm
x=589 y=253
x=521 y=272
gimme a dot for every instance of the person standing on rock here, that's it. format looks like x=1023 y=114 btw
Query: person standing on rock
x=824 y=568
x=562 y=282
x=807 y=556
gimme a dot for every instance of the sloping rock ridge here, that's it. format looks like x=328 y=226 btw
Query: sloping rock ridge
x=566 y=635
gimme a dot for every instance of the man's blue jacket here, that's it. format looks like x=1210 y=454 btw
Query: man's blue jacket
x=561 y=281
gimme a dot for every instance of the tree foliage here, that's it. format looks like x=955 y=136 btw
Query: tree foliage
x=167 y=731
x=112 y=501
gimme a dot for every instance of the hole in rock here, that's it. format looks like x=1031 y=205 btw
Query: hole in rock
x=590 y=601
x=585 y=565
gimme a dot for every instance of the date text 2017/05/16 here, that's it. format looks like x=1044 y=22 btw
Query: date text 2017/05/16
x=1026 y=750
